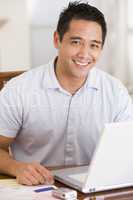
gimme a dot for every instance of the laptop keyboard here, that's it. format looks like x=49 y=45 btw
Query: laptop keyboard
x=79 y=177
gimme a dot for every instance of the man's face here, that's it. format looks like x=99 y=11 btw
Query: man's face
x=79 y=49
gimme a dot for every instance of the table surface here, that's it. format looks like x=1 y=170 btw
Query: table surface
x=119 y=194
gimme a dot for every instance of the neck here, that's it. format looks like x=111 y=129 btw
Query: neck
x=69 y=83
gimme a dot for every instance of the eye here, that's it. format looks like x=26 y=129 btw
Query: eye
x=75 y=42
x=95 y=46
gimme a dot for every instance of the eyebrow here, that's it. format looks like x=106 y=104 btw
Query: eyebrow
x=79 y=38
x=75 y=38
x=96 y=41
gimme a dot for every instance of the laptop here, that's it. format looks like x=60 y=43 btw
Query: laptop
x=111 y=166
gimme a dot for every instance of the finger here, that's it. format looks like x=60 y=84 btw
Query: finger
x=24 y=181
x=45 y=173
x=28 y=174
x=36 y=174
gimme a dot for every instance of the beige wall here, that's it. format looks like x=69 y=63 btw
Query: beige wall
x=14 y=36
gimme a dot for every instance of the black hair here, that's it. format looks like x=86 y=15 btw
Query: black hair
x=78 y=10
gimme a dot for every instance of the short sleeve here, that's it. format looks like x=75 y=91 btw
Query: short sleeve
x=124 y=107
x=10 y=110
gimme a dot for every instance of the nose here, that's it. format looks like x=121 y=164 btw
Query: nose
x=83 y=51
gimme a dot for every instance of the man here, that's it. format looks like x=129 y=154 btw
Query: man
x=54 y=114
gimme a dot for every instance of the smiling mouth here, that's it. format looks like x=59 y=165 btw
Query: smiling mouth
x=80 y=63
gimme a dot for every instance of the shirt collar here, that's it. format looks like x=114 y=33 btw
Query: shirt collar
x=92 y=79
x=51 y=81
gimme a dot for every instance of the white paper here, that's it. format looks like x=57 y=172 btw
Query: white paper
x=11 y=190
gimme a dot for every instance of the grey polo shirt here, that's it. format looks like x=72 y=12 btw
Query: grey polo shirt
x=52 y=126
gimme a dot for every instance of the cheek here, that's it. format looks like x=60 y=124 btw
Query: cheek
x=71 y=49
x=97 y=54
x=68 y=52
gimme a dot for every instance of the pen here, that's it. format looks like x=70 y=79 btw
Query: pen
x=45 y=189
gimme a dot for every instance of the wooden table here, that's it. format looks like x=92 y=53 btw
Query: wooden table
x=120 y=194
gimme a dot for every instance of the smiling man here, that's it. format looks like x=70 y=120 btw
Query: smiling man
x=54 y=114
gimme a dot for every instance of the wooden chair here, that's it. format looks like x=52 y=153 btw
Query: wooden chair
x=6 y=76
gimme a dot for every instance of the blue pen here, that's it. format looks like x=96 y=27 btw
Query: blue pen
x=44 y=189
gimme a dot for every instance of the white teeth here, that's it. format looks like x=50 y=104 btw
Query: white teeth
x=79 y=63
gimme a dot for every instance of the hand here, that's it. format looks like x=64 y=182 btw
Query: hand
x=33 y=174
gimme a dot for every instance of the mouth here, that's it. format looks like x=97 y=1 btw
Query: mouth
x=82 y=63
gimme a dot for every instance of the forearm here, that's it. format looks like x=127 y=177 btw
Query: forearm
x=25 y=173
x=7 y=164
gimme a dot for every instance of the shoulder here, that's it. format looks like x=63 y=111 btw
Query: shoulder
x=115 y=96
x=32 y=78
x=110 y=88
x=107 y=81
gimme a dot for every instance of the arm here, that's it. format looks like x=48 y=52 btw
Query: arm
x=25 y=173
x=11 y=114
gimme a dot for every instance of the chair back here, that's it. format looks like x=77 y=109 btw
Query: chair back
x=6 y=76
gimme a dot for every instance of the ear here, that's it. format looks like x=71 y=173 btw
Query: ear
x=56 y=40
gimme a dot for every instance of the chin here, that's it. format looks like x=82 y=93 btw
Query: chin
x=81 y=75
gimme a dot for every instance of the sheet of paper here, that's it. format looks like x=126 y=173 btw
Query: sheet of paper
x=11 y=190
x=44 y=196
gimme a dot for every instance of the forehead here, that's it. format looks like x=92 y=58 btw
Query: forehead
x=85 y=29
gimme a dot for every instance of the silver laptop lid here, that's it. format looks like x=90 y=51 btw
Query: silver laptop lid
x=112 y=163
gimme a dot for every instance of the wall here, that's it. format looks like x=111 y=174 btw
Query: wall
x=14 y=36
x=42 y=48
x=44 y=16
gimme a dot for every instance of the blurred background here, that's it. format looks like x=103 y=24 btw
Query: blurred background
x=26 y=35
